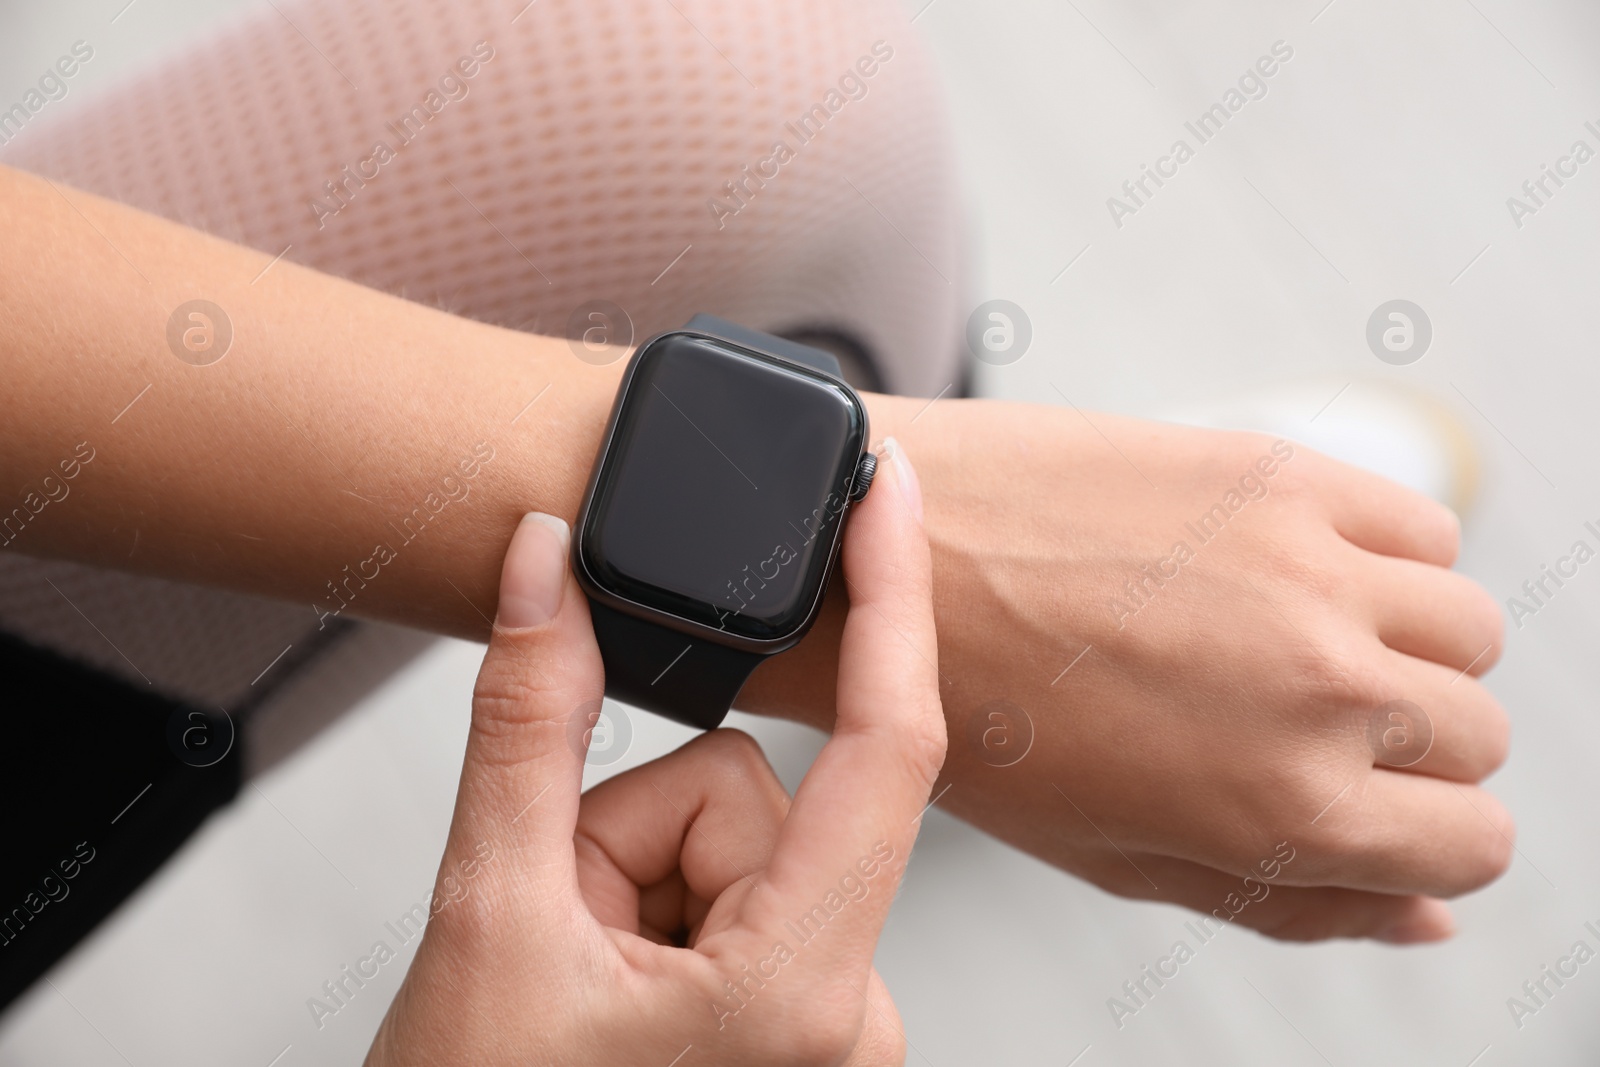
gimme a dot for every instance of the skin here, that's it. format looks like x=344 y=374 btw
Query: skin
x=1190 y=738
x=607 y=928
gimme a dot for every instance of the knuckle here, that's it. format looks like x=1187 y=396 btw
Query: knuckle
x=515 y=689
x=1287 y=473
x=926 y=746
x=921 y=741
x=504 y=688
x=827 y=1034
x=512 y=707
x=1338 y=680
x=1297 y=477
x=1340 y=839
x=736 y=755
x=1308 y=575
x=732 y=745
x=1292 y=798
x=1337 y=841
x=1331 y=807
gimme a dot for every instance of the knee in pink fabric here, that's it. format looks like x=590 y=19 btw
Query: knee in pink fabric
x=785 y=164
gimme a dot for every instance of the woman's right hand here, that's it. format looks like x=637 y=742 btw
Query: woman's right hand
x=683 y=911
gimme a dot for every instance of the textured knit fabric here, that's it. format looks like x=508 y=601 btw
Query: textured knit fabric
x=782 y=163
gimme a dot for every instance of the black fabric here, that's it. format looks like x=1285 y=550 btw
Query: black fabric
x=87 y=770
x=858 y=364
x=684 y=678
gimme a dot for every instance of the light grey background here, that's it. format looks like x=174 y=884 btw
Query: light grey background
x=1377 y=167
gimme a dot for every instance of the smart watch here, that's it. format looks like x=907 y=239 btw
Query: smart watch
x=714 y=512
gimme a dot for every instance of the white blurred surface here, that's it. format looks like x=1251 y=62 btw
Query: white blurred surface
x=1377 y=167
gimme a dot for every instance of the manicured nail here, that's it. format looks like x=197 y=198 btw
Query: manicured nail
x=534 y=575
x=905 y=476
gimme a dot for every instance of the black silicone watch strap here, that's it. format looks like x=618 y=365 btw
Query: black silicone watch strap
x=815 y=358
x=687 y=679
x=684 y=678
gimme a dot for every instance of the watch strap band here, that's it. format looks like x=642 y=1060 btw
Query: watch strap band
x=688 y=679
x=805 y=355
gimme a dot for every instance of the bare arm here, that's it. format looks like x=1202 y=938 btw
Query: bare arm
x=336 y=411
x=1178 y=719
x=350 y=448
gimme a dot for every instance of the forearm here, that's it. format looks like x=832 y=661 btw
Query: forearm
x=355 y=452
x=1106 y=713
x=333 y=417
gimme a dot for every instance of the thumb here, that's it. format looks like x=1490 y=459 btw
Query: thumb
x=537 y=695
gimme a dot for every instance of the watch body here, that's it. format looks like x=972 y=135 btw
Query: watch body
x=714 y=512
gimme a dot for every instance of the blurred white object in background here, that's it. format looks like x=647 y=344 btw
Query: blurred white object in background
x=1390 y=429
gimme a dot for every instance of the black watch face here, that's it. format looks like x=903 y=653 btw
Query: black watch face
x=722 y=493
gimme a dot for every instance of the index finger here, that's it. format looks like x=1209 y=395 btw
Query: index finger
x=1385 y=517
x=843 y=848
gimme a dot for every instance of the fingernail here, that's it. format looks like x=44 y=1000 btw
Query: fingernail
x=905 y=476
x=534 y=575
